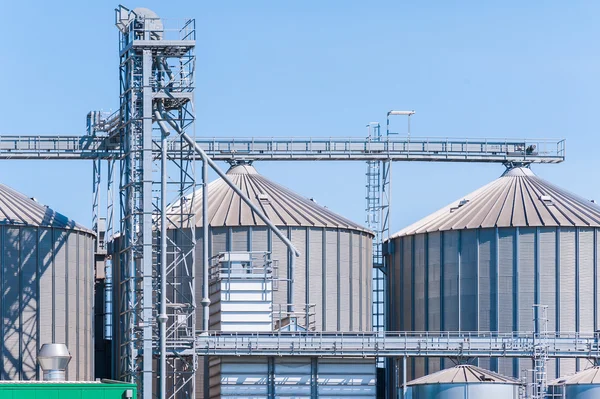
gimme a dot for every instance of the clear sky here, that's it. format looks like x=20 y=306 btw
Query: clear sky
x=323 y=68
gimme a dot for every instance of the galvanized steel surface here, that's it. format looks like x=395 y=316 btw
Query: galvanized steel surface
x=281 y=205
x=517 y=199
x=18 y=209
x=47 y=268
x=481 y=265
x=462 y=374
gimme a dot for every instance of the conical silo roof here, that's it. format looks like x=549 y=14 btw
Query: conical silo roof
x=463 y=374
x=587 y=376
x=281 y=205
x=20 y=210
x=517 y=199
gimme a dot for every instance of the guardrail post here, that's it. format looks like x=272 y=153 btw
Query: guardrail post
x=404 y=377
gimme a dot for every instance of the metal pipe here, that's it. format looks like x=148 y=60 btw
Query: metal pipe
x=239 y=192
x=404 y=377
x=205 y=298
x=162 y=317
x=235 y=188
x=162 y=116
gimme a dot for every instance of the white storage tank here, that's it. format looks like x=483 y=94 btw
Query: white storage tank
x=463 y=382
x=482 y=262
x=583 y=385
x=47 y=277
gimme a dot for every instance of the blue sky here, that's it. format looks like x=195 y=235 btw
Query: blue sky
x=323 y=68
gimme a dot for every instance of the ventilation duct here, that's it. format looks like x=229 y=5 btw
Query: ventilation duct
x=54 y=359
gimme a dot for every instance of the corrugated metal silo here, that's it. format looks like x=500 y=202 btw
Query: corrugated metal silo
x=333 y=273
x=334 y=270
x=481 y=263
x=583 y=385
x=464 y=382
x=47 y=267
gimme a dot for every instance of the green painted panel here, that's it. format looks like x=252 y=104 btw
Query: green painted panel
x=65 y=391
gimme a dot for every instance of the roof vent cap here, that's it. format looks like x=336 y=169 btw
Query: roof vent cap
x=263 y=198
x=53 y=360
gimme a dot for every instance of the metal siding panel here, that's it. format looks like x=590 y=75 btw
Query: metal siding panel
x=468 y=280
x=567 y=291
x=487 y=280
x=487 y=287
x=396 y=288
x=29 y=303
x=344 y=279
x=300 y=283
x=218 y=240
x=315 y=294
x=260 y=238
x=331 y=275
x=407 y=267
x=419 y=296
x=346 y=378
x=526 y=283
x=11 y=324
x=450 y=305
x=72 y=303
x=279 y=253
x=45 y=247
x=586 y=280
x=239 y=239
x=60 y=262
x=433 y=291
x=526 y=278
x=548 y=283
x=506 y=301
x=357 y=298
x=292 y=378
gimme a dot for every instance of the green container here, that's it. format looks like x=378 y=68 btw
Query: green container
x=67 y=390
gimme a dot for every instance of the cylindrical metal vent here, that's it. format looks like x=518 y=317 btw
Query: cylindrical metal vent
x=54 y=359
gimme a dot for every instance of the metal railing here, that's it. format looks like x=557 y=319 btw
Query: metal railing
x=302 y=149
x=392 y=344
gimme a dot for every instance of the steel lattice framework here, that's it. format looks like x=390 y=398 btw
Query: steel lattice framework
x=157 y=87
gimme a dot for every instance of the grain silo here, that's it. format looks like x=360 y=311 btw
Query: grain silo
x=583 y=385
x=331 y=281
x=47 y=287
x=463 y=382
x=333 y=273
x=481 y=263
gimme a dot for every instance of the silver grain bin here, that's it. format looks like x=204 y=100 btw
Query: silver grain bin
x=47 y=287
x=333 y=273
x=481 y=263
x=332 y=276
x=463 y=382
x=583 y=385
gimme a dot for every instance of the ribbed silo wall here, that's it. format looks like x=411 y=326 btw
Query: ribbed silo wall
x=574 y=391
x=489 y=280
x=47 y=285
x=333 y=271
x=464 y=391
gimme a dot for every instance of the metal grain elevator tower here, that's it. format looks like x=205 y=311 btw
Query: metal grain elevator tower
x=157 y=310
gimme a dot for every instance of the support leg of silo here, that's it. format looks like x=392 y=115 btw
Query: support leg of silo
x=404 y=377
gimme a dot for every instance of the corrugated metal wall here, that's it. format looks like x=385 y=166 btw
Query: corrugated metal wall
x=333 y=273
x=47 y=296
x=333 y=266
x=263 y=378
x=488 y=280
